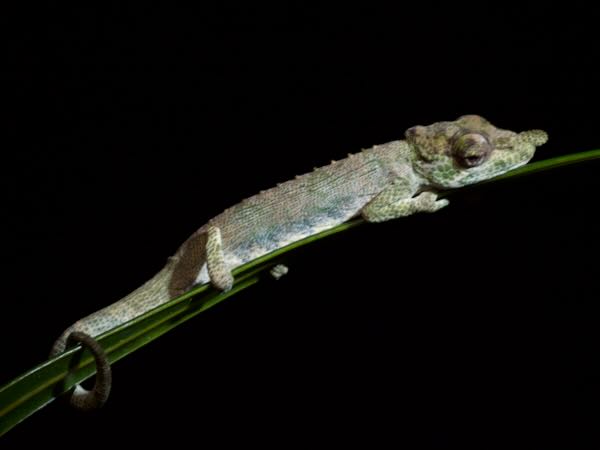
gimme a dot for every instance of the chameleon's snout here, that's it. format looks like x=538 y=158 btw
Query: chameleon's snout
x=534 y=137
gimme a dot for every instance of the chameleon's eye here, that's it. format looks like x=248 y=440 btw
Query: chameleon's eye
x=471 y=149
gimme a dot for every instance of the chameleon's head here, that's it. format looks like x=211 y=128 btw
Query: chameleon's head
x=468 y=150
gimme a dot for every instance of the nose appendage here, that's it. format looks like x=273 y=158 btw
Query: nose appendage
x=534 y=137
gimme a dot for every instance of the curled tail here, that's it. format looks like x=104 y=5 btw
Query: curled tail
x=151 y=294
x=80 y=398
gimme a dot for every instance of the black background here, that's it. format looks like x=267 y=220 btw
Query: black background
x=127 y=127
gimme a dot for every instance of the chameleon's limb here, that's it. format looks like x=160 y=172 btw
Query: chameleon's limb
x=396 y=201
x=220 y=275
x=278 y=271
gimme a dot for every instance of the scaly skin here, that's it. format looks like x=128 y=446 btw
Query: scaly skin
x=384 y=182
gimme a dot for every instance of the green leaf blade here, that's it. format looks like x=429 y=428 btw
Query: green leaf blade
x=39 y=386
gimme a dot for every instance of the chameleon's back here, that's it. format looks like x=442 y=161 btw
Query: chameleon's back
x=309 y=203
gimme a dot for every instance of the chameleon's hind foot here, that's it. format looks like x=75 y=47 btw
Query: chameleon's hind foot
x=219 y=273
x=278 y=271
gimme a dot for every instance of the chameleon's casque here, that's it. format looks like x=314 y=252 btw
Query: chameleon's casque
x=384 y=182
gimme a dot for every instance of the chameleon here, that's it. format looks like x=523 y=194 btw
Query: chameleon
x=384 y=182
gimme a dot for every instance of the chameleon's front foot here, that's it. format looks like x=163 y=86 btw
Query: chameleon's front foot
x=428 y=202
x=389 y=206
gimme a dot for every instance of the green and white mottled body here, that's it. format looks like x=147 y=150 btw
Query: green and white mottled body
x=384 y=182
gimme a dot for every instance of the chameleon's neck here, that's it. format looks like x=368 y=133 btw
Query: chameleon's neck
x=151 y=294
x=399 y=158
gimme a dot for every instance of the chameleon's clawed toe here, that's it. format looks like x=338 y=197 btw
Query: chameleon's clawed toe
x=278 y=271
x=223 y=282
